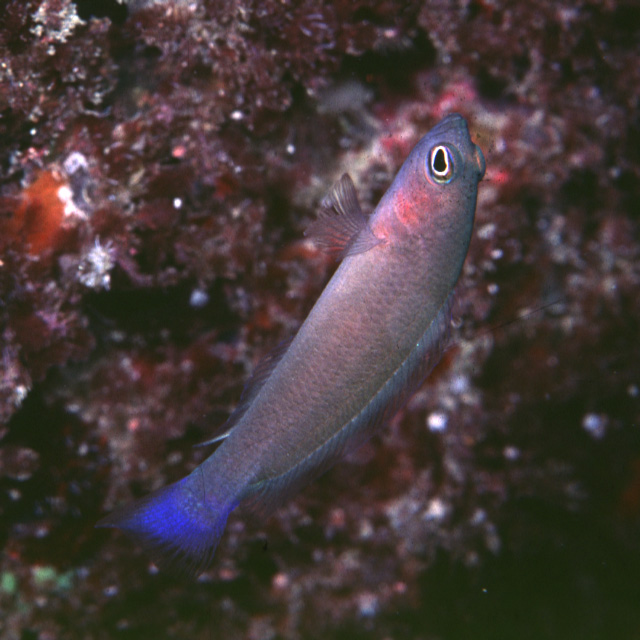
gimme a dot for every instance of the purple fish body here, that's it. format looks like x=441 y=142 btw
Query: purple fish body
x=374 y=334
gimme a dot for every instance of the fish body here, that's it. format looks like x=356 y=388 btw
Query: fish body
x=374 y=334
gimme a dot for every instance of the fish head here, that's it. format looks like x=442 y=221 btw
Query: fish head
x=432 y=200
x=436 y=187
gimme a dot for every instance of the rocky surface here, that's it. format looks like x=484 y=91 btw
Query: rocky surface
x=159 y=163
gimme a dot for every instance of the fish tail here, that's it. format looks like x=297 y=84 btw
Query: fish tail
x=180 y=525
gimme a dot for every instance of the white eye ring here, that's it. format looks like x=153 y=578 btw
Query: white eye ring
x=441 y=164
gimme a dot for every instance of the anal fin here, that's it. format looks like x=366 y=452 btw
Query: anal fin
x=254 y=384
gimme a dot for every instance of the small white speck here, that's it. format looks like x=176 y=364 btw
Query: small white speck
x=436 y=510
x=177 y=203
x=237 y=115
x=595 y=424
x=75 y=161
x=291 y=149
x=496 y=254
x=511 y=453
x=459 y=384
x=33 y=131
x=42 y=532
x=65 y=195
x=487 y=231
x=280 y=581
x=493 y=289
x=199 y=298
x=437 y=421
x=367 y=605
x=19 y=394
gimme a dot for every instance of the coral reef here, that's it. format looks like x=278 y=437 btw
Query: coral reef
x=159 y=161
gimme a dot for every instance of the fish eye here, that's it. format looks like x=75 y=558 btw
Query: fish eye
x=441 y=164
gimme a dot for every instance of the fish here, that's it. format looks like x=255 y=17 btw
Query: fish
x=373 y=336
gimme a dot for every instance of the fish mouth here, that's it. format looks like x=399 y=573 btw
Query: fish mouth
x=454 y=126
x=478 y=156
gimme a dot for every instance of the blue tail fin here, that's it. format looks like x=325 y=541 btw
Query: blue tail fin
x=180 y=525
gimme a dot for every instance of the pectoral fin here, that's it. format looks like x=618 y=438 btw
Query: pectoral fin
x=341 y=226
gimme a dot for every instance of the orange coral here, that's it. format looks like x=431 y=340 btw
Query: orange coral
x=37 y=220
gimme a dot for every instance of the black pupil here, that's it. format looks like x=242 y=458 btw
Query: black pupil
x=439 y=161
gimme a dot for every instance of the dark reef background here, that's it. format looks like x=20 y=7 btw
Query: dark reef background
x=159 y=161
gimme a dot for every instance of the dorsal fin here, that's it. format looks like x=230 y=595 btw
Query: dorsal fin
x=252 y=387
x=341 y=227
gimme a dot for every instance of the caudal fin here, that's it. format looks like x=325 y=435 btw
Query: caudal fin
x=179 y=525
